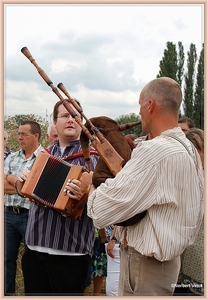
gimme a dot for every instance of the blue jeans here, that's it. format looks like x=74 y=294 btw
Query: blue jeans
x=14 y=232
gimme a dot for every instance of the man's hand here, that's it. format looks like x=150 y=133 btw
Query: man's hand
x=9 y=188
x=23 y=176
x=76 y=189
x=5 y=152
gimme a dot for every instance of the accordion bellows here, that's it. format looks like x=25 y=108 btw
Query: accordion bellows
x=46 y=181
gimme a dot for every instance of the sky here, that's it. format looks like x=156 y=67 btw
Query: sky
x=103 y=54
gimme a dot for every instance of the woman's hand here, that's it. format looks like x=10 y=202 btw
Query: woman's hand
x=110 y=246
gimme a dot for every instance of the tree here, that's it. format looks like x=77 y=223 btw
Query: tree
x=168 y=64
x=191 y=80
x=11 y=125
x=188 y=101
x=180 y=64
x=125 y=119
x=198 y=114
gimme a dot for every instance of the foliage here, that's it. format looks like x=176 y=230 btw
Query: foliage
x=199 y=93
x=168 y=64
x=188 y=103
x=191 y=80
x=180 y=63
x=11 y=125
x=125 y=119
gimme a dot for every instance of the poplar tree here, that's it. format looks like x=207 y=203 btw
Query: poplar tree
x=168 y=64
x=180 y=63
x=198 y=114
x=189 y=82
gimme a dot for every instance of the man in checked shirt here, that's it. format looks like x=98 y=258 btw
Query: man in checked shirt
x=16 y=207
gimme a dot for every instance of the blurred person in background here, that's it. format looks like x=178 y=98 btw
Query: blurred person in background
x=52 y=134
x=7 y=151
x=99 y=261
x=185 y=123
x=191 y=277
x=113 y=261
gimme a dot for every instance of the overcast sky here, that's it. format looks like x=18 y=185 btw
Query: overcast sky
x=103 y=54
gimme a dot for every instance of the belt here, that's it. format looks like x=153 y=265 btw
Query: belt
x=17 y=210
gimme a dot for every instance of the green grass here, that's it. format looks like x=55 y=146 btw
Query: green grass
x=19 y=277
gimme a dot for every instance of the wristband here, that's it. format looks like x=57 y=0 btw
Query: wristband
x=113 y=238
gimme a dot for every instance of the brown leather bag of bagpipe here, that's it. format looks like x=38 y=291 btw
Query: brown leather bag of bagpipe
x=103 y=133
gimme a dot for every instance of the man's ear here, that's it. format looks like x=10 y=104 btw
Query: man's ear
x=37 y=135
x=151 y=105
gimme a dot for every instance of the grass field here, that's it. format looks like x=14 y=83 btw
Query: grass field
x=20 y=284
x=19 y=277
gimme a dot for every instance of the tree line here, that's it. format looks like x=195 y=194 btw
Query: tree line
x=191 y=80
x=172 y=64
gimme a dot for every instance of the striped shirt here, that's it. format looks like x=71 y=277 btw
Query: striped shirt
x=15 y=164
x=49 y=229
x=161 y=177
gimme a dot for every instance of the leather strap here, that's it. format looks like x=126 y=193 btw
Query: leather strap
x=76 y=155
x=79 y=154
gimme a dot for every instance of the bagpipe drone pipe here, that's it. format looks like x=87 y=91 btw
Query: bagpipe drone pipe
x=102 y=133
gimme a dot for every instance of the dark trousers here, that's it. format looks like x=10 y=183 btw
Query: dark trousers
x=183 y=292
x=52 y=275
x=14 y=232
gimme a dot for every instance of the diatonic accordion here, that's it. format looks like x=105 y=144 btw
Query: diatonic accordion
x=46 y=181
